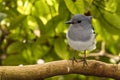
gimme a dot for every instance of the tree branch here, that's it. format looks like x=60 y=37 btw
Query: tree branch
x=62 y=67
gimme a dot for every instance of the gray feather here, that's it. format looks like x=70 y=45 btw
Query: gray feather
x=81 y=34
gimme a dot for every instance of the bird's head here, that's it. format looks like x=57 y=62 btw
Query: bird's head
x=80 y=19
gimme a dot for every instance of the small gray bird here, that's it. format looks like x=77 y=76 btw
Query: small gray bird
x=81 y=35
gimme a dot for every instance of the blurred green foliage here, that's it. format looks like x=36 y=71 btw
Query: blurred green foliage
x=36 y=29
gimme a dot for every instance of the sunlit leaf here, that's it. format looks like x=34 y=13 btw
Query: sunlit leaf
x=61 y=27
x=75 y=7
x=111 y=5
x=112 y=19
x=105 y=18
x=41 y=8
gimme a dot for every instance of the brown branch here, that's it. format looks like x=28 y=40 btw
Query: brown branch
x=34 y=72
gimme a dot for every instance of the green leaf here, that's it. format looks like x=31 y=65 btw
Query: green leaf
x=111 y=5
x=15 y=47
x=27 y=54
x=75 y=7
x=107 y=5
x=112 y=18
x=118 y=7
x=31 y=22
x=51 y=25
x=61 y=27
x=17 y=21
x=60 y=48
x=41 y=8
x=63 y=11
x=105 y=20
x=40 y=25
x=14 y=60
x=39 y=51
x=108 y=27
x=94 y=11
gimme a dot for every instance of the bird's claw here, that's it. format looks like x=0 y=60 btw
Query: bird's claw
x=84 y=62
x=73 y=59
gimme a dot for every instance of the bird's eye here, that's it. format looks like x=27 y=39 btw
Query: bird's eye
x=79 y=21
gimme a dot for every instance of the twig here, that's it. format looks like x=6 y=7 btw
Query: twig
x=103 y=53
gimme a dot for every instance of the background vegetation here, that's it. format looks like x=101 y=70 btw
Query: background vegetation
x=35 y=30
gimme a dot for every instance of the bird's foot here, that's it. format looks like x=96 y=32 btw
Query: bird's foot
x=73 y=60
x=84 y=62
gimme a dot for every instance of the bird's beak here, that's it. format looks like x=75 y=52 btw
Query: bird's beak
x=69 y=22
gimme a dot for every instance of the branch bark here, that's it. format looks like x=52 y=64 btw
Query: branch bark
x=62 y=67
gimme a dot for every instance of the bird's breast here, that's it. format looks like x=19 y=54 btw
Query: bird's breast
x=79 y=35
x=82 y=45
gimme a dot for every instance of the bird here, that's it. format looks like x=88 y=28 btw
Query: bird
x=81 y=35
